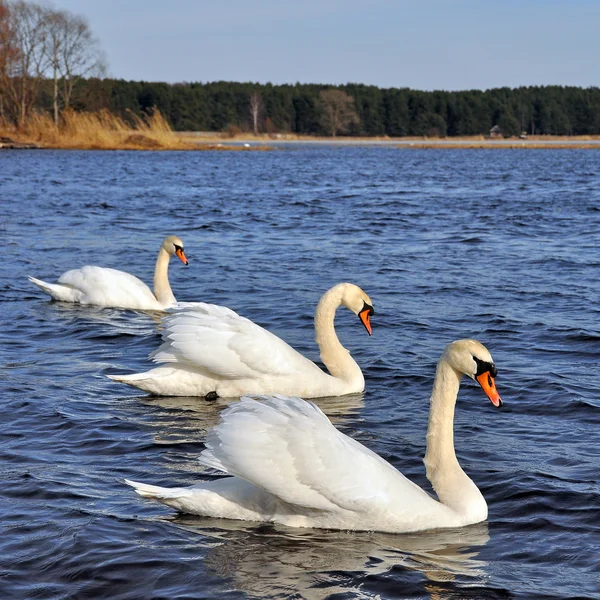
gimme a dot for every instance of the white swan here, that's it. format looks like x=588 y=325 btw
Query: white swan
x=291 y=466
x=101 y=286
x=211 y=351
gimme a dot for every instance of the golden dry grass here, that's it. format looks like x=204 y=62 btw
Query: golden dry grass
x=99 y=130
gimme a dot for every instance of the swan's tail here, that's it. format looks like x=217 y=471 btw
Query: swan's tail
x=156 y=492
x=64 y=293
x=143 y=381
x=225 y=498
x=138 y=380
x=168 y=381
x=179 y=498
x=128 y=379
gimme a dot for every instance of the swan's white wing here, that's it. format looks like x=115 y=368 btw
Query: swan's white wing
x=107 y=287
x=201 y=307
x=288 y=447
x=221 y=343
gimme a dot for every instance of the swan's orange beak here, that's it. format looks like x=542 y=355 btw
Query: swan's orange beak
x=486 y=381
x=365 y=316
x=181 y=256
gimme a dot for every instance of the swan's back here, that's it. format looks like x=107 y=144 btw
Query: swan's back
x=292 y=466
x=218 y=342
x=103 y=286
x=289 y=448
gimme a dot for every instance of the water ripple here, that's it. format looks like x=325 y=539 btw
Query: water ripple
x=499 y=246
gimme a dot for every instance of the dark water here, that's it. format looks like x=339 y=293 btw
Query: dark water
x=497 y=245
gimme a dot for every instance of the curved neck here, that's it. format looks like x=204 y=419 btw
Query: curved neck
x=452 y=485
x=162 y=288
x=335 y=357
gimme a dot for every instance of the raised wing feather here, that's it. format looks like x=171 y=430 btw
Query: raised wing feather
x=214 y=310
x=288 y=447
x=219 y=342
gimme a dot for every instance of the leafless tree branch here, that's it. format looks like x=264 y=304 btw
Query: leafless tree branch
x=38 y=42
x=257 y=109
x=337 y=111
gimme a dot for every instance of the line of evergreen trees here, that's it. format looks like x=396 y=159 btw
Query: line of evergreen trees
x=549 y=110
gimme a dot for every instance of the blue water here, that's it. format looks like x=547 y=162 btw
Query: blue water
x=498 y=245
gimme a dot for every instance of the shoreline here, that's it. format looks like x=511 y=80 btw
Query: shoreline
x=202 y=141
x=465 y=142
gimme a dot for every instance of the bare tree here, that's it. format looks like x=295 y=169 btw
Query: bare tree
x=8 y=52
x=257 y=109
x=73 y=52
x=81 y=55
x=36 y=42
x=24 y=59
x=54 y=49
x=337 y=111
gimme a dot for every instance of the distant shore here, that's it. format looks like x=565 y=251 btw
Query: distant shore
x=467 y=142
x=149 y=139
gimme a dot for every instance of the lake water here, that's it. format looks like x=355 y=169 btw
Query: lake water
x=500 y=245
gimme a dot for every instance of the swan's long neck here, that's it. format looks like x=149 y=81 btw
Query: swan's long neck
x=452 y=485
x=162 y=287
x=335 y=357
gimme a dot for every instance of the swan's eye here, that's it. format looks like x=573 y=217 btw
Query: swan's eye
x=369 y=308
x=483 y=366
x=178 y=248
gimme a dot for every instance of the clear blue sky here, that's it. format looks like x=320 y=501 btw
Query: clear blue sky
x=421 y=44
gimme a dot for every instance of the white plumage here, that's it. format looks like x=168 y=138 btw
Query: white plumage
x=211 y=349
x=290 y=465
x=102 y=286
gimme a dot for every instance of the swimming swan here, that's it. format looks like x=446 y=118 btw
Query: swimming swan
x=290 y=465
x=101 y=286
x=211 y=351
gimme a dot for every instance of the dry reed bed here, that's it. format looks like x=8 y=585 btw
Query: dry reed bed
x=99 y=131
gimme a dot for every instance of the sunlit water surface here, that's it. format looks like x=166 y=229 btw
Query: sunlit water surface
x=497 y=245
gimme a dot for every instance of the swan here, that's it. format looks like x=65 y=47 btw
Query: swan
x=211 y=351
x=291 y=466
x=101 y=286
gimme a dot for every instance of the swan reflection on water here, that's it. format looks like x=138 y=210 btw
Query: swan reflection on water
x=276 y=560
